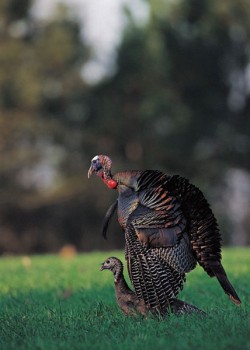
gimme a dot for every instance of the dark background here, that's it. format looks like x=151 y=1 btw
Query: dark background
x=178 y=100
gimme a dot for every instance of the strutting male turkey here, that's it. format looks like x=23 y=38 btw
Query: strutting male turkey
x=169 y=227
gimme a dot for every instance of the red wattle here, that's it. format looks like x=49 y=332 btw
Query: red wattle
x=112 y=184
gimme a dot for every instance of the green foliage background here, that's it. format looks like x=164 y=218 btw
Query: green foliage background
x=178 y=100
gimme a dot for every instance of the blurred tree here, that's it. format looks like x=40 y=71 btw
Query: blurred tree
x=42 y=99
x=43 y=112
x=181 y=96
x=179 y=100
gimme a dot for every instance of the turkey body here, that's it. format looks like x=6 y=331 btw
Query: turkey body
x=168 y=227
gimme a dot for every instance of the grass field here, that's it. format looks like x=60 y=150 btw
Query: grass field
x=50 y=302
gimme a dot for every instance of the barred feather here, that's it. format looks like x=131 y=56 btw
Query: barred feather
x=153 y=280
x=171 y=226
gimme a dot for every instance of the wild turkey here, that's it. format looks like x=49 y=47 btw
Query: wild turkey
x=128 y=301
x=126 y=298
x=168 y=226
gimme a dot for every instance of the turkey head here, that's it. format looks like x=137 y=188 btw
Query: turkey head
x=101 y=166
x=114 y=265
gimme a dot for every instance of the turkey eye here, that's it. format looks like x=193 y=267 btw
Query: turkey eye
x=108 y=261
x=96 y=164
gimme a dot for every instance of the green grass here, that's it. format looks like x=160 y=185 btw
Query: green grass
x=49 y=302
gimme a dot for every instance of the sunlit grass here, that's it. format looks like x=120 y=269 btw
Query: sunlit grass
x=52 y=302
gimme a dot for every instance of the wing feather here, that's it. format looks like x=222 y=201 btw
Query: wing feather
x=154 y=281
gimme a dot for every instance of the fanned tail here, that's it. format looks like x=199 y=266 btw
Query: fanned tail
x=221 y=275
x=204 y=233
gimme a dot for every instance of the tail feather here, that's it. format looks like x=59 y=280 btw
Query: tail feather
x=221 y=275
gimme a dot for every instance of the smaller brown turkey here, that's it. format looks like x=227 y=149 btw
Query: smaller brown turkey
x=126 y=298
x=128 y=301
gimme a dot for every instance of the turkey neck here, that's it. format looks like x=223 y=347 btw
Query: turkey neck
x=120 y=284
x=118 y=276
x=127 y=179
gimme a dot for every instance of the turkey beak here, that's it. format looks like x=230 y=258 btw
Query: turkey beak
x=91 y=171
x=102 y=267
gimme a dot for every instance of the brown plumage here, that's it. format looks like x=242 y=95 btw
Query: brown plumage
x=168 y=226
x=128 y=301
x=126 y=298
